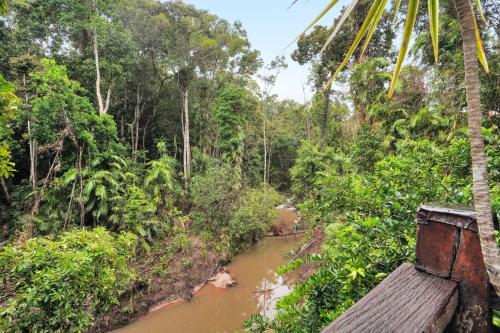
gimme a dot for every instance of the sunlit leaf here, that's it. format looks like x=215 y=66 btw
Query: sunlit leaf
x=373 y=26
x=357 y=40
x=410 y=21
x=434 y=25
x=339 y=24
x=480 y=10
x=323 y=12
x=4 y=7
x=481 y=56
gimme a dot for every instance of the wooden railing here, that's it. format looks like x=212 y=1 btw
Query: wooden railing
x=446 y=290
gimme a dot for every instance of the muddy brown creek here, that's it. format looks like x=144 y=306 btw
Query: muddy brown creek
x=214 y=309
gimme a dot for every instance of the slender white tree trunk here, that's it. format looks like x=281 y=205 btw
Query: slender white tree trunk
x=31 y=143
x=264 y=134
x=185 y=132
x=102 y=106
x=33 y=158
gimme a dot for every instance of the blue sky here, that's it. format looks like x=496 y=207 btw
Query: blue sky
x=271 y=28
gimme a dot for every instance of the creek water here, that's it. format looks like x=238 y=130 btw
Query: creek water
x=213 y=309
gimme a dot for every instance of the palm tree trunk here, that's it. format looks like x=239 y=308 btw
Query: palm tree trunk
x=482 y=203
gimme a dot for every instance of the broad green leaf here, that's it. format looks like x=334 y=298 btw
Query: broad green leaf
x=479 y=44
x=339 y=24
x=410 y=21
x=373 y=26
x=434 y=25
x=323 y=12
x=355 y=43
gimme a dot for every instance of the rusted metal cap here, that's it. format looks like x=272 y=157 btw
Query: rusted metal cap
x=460 y=216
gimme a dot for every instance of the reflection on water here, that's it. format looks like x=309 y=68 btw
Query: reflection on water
x=214 y=309
x=271 y=291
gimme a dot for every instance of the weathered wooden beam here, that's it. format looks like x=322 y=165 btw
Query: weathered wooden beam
x=447 y=289
x=408 y=300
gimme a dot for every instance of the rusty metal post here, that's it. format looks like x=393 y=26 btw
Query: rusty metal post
x=448 y=246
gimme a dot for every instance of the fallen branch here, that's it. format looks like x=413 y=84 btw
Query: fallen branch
x=289 y=234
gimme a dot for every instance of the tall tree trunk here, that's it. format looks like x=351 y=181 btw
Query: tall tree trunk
x=38 y=198
x=103 y=108
x=33 y=158
x=269 y=160
x=31 y=143
x=80 y=198
x=185 y=133
x=139 y=108
x=122 y=122
x=264 y=134
x=175 y=147
x=5 y=189
x=482 y=203
x=326 y=112
x=122 y=128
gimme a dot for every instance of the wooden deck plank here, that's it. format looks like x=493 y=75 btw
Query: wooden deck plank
x=408 y=301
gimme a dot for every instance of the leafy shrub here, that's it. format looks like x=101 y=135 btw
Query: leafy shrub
x=8 y=112
x=312 y=160
x=366 y=150
x=137 y=214
x=59 y=285
x=160 y=181
x=254 y=216
x=214 y=195
x=229 y=107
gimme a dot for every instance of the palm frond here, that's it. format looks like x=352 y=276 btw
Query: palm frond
x=480 y=10
x=323 y=12
x=346 y=14
x=369 y=18
x=396 y=8
x=292 y=4
x=409 y=23
x=434 y=25
x=373 y=26
x=481 y=56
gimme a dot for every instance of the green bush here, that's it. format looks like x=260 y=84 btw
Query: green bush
x=256 y=213
x=59 y=285
x=366 y=149
x=214 y=195
x=311 y=161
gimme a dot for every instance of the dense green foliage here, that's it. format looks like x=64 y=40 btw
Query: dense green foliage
x=135 y=131
x=8 y=109
x=369 y=225
x=254 y=215
x=363 y=190
x=91 y=151
x=59 y=285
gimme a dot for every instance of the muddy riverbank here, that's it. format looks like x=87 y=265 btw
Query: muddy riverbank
x=252 y=287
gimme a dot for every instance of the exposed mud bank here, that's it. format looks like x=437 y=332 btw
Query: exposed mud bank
x=183 y=275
